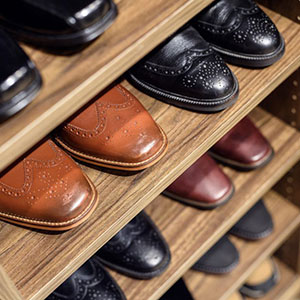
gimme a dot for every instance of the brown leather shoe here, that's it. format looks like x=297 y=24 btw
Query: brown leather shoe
x=115 y=132
x=46 y=190
x=243 y=147
x=203 y=185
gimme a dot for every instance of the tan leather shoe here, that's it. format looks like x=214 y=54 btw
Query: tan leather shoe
x=236 y=296
x=116 y=132
x=46 y=190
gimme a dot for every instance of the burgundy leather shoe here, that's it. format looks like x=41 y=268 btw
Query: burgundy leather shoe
x=203 y=185
x=243 y=147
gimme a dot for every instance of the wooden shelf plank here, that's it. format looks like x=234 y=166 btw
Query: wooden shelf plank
x=188 y=233
x=71 y=81
x=38 y=262
x=252 y=254
x=287 y=287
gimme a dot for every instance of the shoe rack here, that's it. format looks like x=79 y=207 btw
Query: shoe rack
x=34 y=263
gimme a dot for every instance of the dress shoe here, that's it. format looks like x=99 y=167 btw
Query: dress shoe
x=241 y=32
x=221 y=258
x=116 y=132
x=262 y=280
x=89 y=282
x=255 y=224
x=178 y=291
x=55 y=23
x=186 y=72
x=138 y=250
x=46 y=190
x=203 y=185
x=19 y=79
x=243 y=147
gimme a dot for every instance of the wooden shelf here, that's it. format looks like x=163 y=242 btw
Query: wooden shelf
x=252 y=254
x=71 y=81
x=189 y=231
x=43 y=261
x=287 y=287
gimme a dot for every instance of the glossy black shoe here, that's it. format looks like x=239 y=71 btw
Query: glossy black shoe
x=255 y=224
x=89 y=282
x=56 y=23
x=19 y=79
x=241 y=32
x=138 y=250
x=221 y=258
x=186 y=72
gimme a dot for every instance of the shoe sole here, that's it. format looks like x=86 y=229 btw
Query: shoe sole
x=57 y=226
x=22 y=99
x=201 y=205
x=66 y=41
x=97 y=161
x=144 y=275
x=251 y=61
x=243 y=167
x=199 y=105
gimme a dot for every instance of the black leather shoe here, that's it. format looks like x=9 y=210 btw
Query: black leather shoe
x=186 y=72
x=255 y=224
x=241 y=32
x=138 y=250
x=19 y=79
x=56 y=23
x=89 y=282
x=221 y=258
x=178 y=291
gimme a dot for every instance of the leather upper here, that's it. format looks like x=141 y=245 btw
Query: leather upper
x=203 y=182
x=137 y=250
x=187 y=67
x=255 y=224
x=115 y=130
x=243 y=144
x=239 y=26
x=221 y=258
x=89 y=282
x=53 y=17
x=17 y=70
x=46 y=189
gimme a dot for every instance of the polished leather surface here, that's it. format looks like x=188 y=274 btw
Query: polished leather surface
x=137 y=250
x=202 y=184
x=239 y=26
x=187 y=68
x=221 y=258
x=89 y=282
x=178 y=291
x=46 y=190
x=115 y=131
x=255 y=224
x=243 y=146
x=52 y=17
x=18 y=74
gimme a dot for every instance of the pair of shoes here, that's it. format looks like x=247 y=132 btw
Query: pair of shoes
x=50 y=24
x=114 y=131
x=204 y=184
x=187 y=71
x=138 y=250
x=223 y=257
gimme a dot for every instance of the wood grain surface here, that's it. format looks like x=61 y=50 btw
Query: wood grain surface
x=43 y=261
x=71 y=81
x=287 y=288
x=252 y=254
